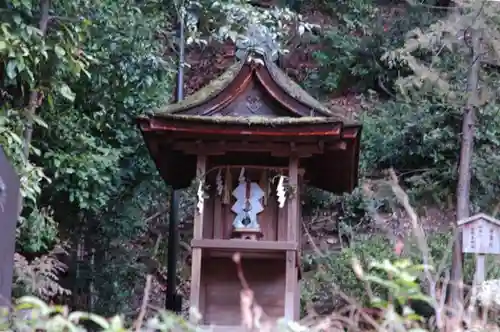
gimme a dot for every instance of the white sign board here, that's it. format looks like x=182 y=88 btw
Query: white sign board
x=480 y=235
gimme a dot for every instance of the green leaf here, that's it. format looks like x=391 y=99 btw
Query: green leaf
x=60 y=52
x=28 y=302
x=3 y=45
x=11 y=69
x=50 y=100
x=78 y=316
x=66 y=92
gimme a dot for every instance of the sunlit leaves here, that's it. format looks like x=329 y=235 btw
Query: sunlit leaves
x=31 y=313
x=247 y=26
x=66 y=92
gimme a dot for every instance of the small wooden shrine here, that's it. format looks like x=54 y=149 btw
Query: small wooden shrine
x=250 y=140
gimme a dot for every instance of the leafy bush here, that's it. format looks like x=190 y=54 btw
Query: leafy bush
x=335 y=270
x=332 y=271
x=349 y=57
x=397 y=278
x=421 y=140
x=32 y=314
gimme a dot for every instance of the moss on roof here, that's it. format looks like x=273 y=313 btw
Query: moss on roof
x=206 y=93
x=220 y=83
x=258 y=120
x=296 y=91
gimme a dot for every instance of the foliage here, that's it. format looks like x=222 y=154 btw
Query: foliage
x=334 y=270
x=102 y=173
x=423 y=121
x=349 y=57
x=265 y=30
x=34 y=61
x=401 y=282
x=88 y=180
x=32 y=314
x=440 y=248
x=40 y=276
x=397 y=277
x=86 y=142
x=419 y=140
x=425 y=49
x=351 y=210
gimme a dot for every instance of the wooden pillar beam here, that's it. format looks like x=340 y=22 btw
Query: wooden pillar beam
x=292 y=235
x=293 y=203
x=195 y=295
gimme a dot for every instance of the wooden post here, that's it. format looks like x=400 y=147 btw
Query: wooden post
x=9 y=203
x=292 y=233
x=196 y=253
x=480 y=267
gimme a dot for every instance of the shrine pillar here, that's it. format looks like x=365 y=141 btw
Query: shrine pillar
x=196 y=253
x=292 y=291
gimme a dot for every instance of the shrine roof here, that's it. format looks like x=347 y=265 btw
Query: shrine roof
x=207 y=92
x=283 y=85
x=256 y=120
x=254 y=101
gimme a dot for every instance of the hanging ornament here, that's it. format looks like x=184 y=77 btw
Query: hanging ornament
x=241 y=178
x=219 y=183
x=226 y=198
x=281 y=192
x=263 y=183
x=201 y=198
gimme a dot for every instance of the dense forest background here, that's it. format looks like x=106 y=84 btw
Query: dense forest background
x=74 y=75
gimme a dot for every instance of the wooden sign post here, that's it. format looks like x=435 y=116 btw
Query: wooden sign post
x=9 y=205
x=480 y=236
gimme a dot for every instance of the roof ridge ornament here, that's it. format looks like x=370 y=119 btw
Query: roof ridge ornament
x=259 y=40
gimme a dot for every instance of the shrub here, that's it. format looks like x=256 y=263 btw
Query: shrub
x=333 y=272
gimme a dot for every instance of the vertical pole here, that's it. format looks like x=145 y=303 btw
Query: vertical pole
x=196 y=300
x=291 y=272
x=478 y=279
x=173 y=302
x=480 y=267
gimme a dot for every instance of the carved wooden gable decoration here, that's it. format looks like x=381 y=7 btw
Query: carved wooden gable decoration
x=257 y=87
x=255 y=98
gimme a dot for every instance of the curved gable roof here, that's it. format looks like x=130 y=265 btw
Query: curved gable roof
x=207 y=115
x=269 y=75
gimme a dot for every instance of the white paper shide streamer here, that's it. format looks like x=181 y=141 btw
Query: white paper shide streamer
x=281 y=192
x=201 y=198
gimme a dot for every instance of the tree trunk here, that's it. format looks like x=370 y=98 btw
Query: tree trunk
x=34 y=99
x=464 y=171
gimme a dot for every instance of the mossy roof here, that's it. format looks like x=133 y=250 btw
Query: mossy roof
x=219 y=84
x=259 y=120
x=296 y=91
x=204 y=94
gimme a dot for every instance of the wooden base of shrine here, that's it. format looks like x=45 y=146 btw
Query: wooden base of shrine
x=247 y=234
